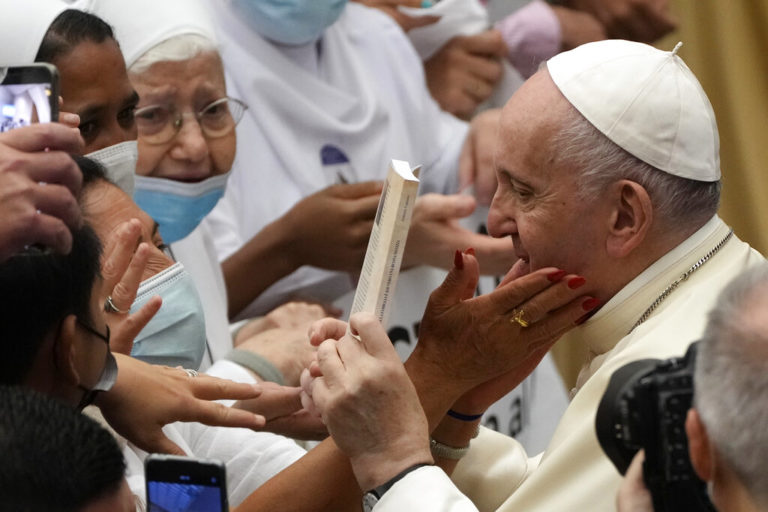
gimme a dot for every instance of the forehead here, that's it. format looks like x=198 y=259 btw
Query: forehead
x=202 y=73
x=93 y=74
x=107 y=207
x=530 y=120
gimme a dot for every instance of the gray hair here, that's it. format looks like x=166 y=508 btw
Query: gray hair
x=677 y=201
x=175 y=49
x=731 y=379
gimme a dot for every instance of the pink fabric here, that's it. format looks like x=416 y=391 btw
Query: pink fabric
x=532 y=34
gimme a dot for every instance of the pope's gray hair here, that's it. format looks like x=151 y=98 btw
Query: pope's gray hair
x=174 y=49
x=677 y=202
x=731 y=379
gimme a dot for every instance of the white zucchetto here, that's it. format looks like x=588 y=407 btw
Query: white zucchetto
x=645 y=100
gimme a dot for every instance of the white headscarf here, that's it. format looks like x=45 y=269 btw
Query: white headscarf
x=23 y=25
x=156 y=21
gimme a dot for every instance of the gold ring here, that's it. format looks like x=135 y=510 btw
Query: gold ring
x=517 y=317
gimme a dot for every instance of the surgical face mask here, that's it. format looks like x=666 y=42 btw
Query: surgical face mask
x=290 y=22
x=119 y=161
x=176 y=334
x=178 y=207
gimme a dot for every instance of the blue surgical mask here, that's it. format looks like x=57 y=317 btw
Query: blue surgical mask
x=290 y=22
x=178 y=207
x=176 y=334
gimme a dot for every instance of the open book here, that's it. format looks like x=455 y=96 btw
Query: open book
x=381 y=267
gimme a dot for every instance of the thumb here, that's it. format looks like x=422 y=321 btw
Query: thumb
x=460 y=283
x=356 y=190
x=161 y=444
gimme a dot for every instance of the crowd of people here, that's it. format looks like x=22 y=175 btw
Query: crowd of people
x=171 y=248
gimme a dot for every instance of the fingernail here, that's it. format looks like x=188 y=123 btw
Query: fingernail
x=426 y=4
x=556 y=275
x=576 y=282
x=590 y=304
x=470 y=250
x=458 y=260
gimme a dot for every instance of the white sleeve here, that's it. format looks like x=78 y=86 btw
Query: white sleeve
x=251 y=457
x=425 y=489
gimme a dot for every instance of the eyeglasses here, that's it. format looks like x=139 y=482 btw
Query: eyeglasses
x=159 y=124
x=103 y=337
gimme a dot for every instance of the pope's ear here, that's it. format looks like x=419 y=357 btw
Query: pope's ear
x=630 y=219
x=698 y=445
x=65 y=350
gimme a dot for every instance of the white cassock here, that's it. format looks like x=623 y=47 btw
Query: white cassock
x=321 y=114
x=573 y=473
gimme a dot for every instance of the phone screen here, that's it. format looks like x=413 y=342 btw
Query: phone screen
x=176 y=484
x=28 y=94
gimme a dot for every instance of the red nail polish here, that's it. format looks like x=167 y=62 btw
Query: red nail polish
x=590 y=304
x=458 y=260
x=470 y=250
x=556 y=275
x=576 y=282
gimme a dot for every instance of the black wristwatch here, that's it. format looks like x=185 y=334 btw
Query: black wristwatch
x=372 y=497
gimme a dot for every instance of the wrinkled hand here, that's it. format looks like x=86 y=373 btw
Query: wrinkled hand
x=637 y=20
x=464 y=72
x=466 y=341
x=435 y=234
x=633 y=495
x=39 y=183
x=291 y=315
x=476 y=161
x=369 y=404
x=331 y=227
x=282 y=408
x=121 y=271
x=577 y=27
x=147 y=397
x=405 y=21
x=288 y=350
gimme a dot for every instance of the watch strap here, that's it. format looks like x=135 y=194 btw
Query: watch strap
x=379 y=491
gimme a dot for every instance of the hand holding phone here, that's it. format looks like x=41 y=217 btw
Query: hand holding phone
x=185 y=484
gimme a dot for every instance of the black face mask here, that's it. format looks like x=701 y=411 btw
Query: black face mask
x=108 y=374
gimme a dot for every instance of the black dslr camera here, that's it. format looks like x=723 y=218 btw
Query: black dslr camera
x=644 y=407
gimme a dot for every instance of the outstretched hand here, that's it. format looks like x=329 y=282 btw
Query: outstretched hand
x=330 y=228
x=435 y=232
x=147 y=397
x=466 y=341
x=122 y=268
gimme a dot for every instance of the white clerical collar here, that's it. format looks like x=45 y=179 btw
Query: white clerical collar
x=616 y=318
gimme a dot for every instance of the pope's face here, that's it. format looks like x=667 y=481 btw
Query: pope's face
x=536 y=202
x=188 y=86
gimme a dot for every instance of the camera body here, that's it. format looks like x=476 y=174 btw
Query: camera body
x=644 y=407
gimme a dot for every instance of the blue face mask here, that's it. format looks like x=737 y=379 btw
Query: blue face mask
x=176 y=334
x=178 y=207
x=290 y=22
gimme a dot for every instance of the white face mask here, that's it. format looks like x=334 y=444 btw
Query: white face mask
x=119 y=161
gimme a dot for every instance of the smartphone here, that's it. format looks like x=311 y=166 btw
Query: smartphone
x=185 y=484
x=28 y=94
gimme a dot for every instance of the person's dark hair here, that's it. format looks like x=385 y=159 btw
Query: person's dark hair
x=92 y=171
x=69 y=29
x=54 y=458
x=40 y=288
